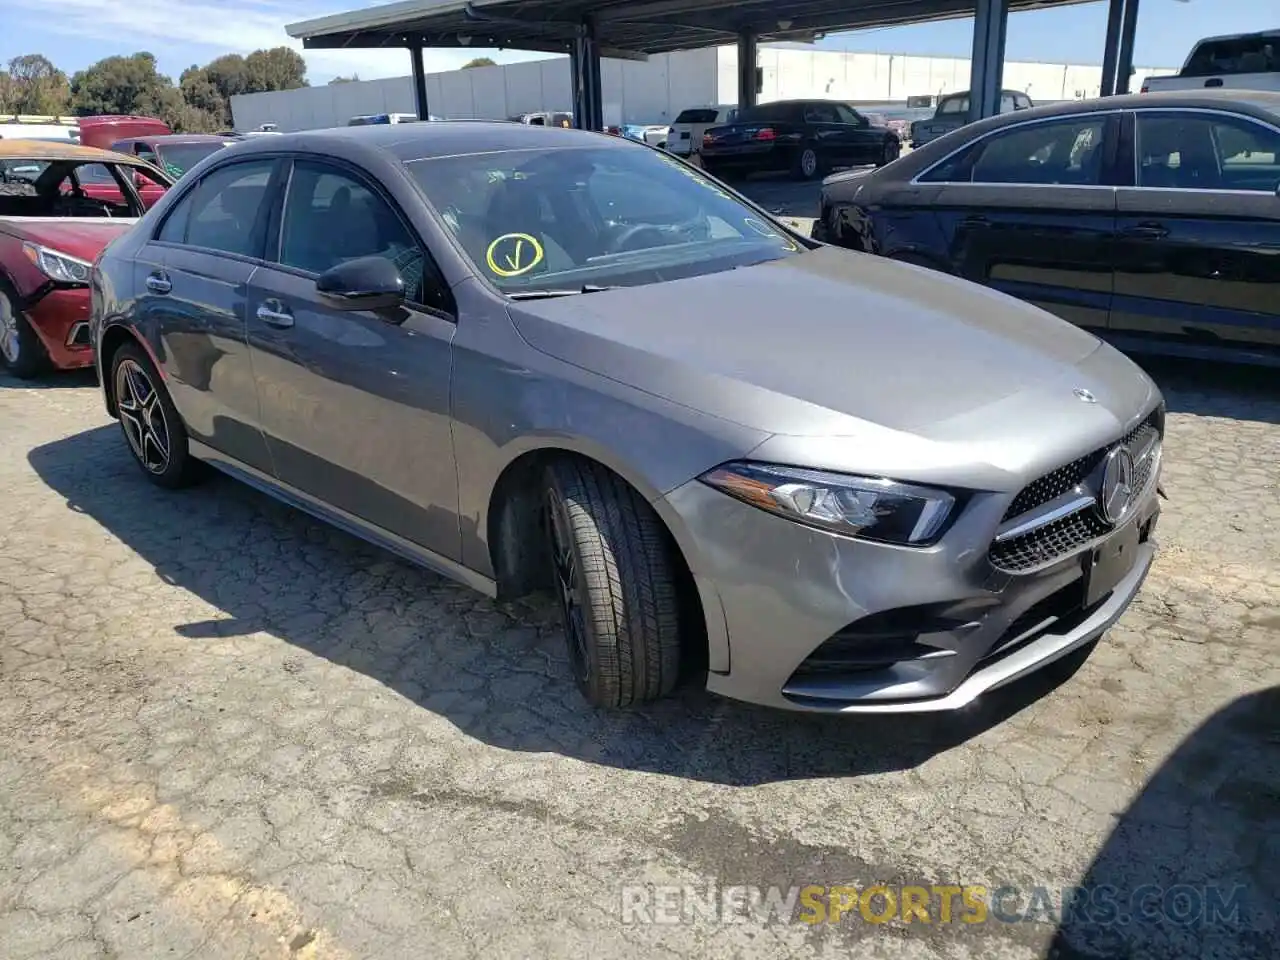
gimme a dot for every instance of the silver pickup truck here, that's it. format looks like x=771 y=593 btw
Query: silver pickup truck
x=952 y=113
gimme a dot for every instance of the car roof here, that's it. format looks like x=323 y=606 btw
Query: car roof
x=54 y=150
x=1261 y=103
x=407 y=142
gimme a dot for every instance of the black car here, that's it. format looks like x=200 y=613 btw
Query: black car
x=804 y=137
x=1153 y=219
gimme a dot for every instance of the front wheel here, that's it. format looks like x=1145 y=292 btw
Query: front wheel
x=615 y=577
x=21 y=349
x=152 y=428
x=891 y=151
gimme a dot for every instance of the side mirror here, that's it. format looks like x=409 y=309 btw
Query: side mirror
x=366 y=283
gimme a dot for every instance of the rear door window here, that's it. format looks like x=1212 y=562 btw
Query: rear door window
x=225 y=212
x=697 y=116
x=1065 y=152
x=1198 y=151
x=1235 y=55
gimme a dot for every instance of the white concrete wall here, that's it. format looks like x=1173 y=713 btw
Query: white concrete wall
x=656 y=90
x=653 y=91
x=790 y=73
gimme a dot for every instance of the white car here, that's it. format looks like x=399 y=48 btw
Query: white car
x=685 y=135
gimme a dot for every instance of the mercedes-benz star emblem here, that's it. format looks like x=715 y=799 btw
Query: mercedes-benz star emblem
x=1116 y=492
x=1083 y=394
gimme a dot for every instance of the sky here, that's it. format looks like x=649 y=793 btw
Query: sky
x=76 y=33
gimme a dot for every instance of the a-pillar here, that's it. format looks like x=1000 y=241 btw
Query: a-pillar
x=748 y=57
x=419 y=82
x=986 y=69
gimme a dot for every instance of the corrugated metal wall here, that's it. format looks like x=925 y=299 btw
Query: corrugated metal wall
x=656 y=90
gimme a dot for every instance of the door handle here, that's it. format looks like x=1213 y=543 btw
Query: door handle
x=1147 y=231
x=273 y=317
x=159 y=283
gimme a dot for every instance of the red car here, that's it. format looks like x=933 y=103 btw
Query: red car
x=60 y=205
x=174 y=153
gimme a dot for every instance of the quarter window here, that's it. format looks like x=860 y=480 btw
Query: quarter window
x=1190 y=151
x=331 y=216
x=224 y=211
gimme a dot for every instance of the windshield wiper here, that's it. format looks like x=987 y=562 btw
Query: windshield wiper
x=548 y=294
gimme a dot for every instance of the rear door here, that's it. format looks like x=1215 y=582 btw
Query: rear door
x=1198 y=248
x=355 y=404
x=866 y=143
x=831 y=138
x=1030 y=211
x=193 y=278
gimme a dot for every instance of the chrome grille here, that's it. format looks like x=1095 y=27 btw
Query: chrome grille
x=1063 y=536
x=1048 y=543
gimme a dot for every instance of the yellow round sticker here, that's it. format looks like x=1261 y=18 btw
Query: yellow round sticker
x=513 y=254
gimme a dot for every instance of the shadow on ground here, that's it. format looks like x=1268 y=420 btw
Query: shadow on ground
x=1189 y=870
x=496 y=671
x=53 y=380
x=1216 y=389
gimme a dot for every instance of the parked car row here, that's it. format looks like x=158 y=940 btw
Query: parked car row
x=487 y=348
x=1152 y=219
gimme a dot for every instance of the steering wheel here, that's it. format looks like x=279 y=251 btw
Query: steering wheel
x=626 y=238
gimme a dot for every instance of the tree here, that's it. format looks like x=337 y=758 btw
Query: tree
x=479 y=62
x=129 y=85
x=34 y=85
x=280 y=68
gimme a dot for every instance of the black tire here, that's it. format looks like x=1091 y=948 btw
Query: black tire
x=153 y=431
x=890 y=152
x=21 y=351
x=615 y=577
x=807 y=164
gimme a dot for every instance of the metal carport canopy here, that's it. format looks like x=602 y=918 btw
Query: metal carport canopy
x=628 y=29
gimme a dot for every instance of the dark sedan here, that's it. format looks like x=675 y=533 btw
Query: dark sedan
x=1152 y=219
x=804 y=137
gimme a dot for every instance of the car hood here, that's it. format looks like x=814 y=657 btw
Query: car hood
x=81 y=237
x=832 y=343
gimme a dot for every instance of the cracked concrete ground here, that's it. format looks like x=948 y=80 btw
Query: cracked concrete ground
x=227 y=731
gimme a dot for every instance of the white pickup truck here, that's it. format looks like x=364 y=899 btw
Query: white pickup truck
x=1244 y=61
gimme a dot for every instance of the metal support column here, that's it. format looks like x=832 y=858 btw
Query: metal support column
x=748 y=61
x=1128 y=33
x=419 y=82
x=584 y=62
x=986 y=69
x=1111 y=48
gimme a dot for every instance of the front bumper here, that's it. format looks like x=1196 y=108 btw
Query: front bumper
x=60 y=318
x=825 y=623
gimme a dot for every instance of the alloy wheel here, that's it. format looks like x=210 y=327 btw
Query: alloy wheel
x=565 y=562
x=808 y=163
x=142 y=416
x=10 y=336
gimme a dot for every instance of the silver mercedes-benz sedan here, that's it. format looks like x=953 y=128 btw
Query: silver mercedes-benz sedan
x=532 y=359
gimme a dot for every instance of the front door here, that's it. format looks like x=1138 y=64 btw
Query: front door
x=355 y=404
x=1030 y=212
x=865 y=144
x=1198 y=236
x=194 y=283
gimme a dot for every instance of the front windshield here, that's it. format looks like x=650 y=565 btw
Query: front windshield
x=177 y=158
x=593 y=216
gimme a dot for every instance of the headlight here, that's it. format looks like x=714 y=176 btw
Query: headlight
x=57 y=266
x=870 y=508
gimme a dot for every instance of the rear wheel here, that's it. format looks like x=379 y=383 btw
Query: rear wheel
x=806 y=164
x=152 y=428
x=21 y=349
x=615 y=577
